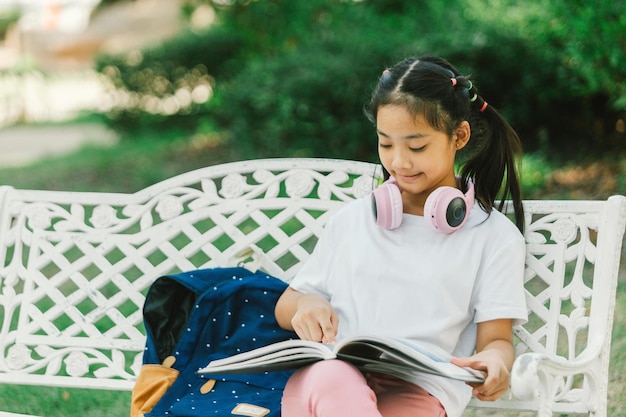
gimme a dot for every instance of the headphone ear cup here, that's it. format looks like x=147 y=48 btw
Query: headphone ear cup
x=447 y=208
x=387 y=205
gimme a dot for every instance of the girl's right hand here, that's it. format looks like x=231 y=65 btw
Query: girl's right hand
x=315 y=319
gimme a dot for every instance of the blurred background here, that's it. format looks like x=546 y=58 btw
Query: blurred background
x=116 y=95
x=121 y=93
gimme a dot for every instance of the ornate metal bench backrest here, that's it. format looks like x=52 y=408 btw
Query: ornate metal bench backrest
x=75 y=267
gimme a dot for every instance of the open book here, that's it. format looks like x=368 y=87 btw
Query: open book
x=397 y=357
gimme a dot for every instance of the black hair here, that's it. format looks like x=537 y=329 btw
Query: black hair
x=433 y=88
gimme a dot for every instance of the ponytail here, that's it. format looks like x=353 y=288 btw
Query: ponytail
x=494 y=147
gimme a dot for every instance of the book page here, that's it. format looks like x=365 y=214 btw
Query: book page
x=403 y=353
x=282 y=355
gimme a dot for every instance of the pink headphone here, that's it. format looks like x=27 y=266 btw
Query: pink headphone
x=446 y=208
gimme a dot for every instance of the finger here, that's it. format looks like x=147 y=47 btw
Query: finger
x=319 y=330
x=307 y=329
x=299 y=331
x=460 y=361
x=470 y=363
x=481 y=393
x=315 y=331
x=329 y=330
x=316 y=324
x=488 y=395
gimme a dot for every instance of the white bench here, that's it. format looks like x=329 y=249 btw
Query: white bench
x=74 y=269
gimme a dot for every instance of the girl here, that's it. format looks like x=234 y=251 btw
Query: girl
x=442 y=271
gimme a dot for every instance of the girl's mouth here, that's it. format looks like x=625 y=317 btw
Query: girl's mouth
x=408 y=178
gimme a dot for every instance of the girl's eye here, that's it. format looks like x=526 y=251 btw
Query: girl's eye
x=384 y=145
x=420 y=149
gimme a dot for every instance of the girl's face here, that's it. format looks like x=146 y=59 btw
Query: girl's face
x=420 y=158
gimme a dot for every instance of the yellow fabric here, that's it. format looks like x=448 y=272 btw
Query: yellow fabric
x=152 y=383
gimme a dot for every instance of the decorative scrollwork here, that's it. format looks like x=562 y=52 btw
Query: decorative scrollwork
x=103 y=216
x=18 y=356
x=363 y=186
x=76 y=364
x=299 y=185
x=233 y=186
x=565 y=230
x=39 y=218
x=169 y=207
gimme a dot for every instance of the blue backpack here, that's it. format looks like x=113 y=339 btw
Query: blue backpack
x=194 y=317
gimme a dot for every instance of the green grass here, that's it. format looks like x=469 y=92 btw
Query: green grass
x=135 y=164
x=64 y=402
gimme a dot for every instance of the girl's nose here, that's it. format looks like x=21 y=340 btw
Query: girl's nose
x=401 y=160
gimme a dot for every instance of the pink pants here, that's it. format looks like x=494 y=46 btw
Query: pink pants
x=334 y=388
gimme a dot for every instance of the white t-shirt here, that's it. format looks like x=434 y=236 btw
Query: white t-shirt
x=416 y=283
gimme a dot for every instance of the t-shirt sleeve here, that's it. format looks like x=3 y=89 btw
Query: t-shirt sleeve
x=314 y=275
x=499 y=293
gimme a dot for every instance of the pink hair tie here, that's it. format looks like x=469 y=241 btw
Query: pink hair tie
x=453 y=81
x=482 y=109
x=386 y=71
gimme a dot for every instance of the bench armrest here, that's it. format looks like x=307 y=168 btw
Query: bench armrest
x=541 y=377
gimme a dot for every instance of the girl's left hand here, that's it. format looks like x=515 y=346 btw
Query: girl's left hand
x=490 y=363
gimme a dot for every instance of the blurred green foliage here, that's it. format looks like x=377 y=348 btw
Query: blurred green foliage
x=8 y=17
x=287 y=78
